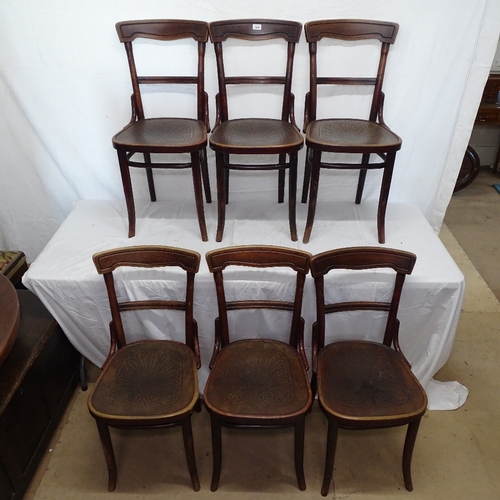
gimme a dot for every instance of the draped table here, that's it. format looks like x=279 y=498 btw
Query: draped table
x=64 y=278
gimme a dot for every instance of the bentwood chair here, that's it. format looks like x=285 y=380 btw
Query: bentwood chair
x=364 y=383
x=278 y=137
x=146 y=141
x=351 y=136
x=147 y=383
x=258 y=378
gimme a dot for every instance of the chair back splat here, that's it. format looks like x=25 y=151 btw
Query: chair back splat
x=257 y=380
x=168 y=135
x=363 y=137
x=252 y=136
x=364 y=383
x=147 y=383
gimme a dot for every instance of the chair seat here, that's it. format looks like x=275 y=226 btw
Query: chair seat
x=351 y=136
x=149 y=380
x=366 y=382
x=258 y=379
x=256 y=135
x=162 y=135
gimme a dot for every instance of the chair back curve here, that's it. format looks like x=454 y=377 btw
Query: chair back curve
x=351 y=30
x=259 y=256
x=255 y=30
x=149 y=256
x=357 y=259
x=166 y=30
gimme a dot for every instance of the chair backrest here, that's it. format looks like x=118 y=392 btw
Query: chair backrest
x=255 y=30
x=352 y=30
x=166 y=30
x=260 y=257
x=360 y=258
x=149 y=257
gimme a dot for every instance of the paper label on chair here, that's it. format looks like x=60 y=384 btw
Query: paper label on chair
x=257 y=27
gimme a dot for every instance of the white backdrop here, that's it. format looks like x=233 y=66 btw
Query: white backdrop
x=64 y=90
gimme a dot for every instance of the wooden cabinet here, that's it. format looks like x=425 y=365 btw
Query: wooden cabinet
x=37 y=380
x=488 y=115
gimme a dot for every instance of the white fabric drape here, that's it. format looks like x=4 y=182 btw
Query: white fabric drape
x=65 y=279
x=64 y=89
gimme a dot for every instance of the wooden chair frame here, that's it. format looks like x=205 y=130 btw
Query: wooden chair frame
x=228 y=357
x=256 y=136
x=365 y=137
x=405 y=401
x=168 y=135
x=163 y=400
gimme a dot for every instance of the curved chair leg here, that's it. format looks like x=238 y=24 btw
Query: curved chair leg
x=198 y=194
x=149 y=175
x=307 y=175
x=226 y=177
x=292 y=196
x=83 y=373
x=281 y=179
x=205 y=176
x=365 y=159
x=411 y=436
x=221 y=195
x=299 y=453
x=109 y=455
x=313 y=195
x=361 y=186
x=187 y=434
x=384 y=195
x=330 y=456
x=216 y=451
x=127 y=190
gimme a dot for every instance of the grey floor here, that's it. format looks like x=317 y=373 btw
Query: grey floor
x=457 y=452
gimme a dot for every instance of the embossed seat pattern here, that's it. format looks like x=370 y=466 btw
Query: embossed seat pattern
x=258 y=378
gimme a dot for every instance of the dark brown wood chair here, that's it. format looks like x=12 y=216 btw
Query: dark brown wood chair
x=147 y=383
x=364 y=384
x=179 y=136
x=258 y=382
x=348 y=135
x=256 y=136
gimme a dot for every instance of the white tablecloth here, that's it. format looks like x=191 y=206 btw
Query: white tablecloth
x=64 y=277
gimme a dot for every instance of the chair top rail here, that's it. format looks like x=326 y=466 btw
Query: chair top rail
x=358 y=258
x=255 y=29
x=147 y=256
x=258 y=256
x=162 y=29
x=351 y=29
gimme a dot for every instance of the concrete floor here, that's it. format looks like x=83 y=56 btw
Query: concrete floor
x=456 y=455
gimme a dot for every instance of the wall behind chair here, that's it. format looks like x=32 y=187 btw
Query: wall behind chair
x=64 y=89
